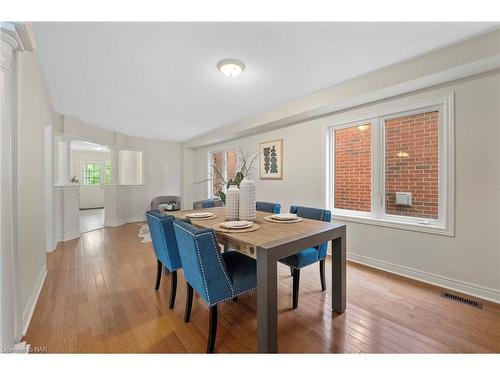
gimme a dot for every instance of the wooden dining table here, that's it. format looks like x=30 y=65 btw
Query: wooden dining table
x=270 y=243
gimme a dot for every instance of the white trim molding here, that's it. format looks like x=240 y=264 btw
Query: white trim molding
x=30 y=306
x=10 y=315
x=23 y=34
x=429 y=278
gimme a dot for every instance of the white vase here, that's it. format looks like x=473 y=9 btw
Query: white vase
x=247 y=200
x=232 y=202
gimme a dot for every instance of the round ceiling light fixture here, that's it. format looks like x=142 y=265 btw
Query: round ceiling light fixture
x=230 y=67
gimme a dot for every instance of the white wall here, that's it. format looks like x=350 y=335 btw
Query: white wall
x=131 y=165
x=162 y=174
x=469 y=261
x=50 y=239
x=33 y=107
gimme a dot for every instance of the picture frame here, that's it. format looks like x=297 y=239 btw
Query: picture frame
x=271 y=160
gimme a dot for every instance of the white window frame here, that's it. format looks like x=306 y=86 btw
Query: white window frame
x=444 y=104
x=341 y=211
x=224 y=171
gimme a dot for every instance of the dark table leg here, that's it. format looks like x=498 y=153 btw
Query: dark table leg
x=267 y=303
x=339 y=272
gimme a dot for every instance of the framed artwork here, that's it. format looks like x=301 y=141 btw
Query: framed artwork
x=271 y=160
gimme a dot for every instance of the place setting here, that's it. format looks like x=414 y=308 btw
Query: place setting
x=286 y=218
x=197 y=216
x=236 y=226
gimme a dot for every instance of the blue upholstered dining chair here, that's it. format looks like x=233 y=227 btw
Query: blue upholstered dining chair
x=207 y=203
x=274 y=208
x=216 y=277
x=165 y=247
x=307 y=256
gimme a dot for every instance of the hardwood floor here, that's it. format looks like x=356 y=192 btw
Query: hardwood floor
x=91 y=219
x=99 y=296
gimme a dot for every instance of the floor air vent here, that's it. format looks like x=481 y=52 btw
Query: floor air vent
x=465 y=301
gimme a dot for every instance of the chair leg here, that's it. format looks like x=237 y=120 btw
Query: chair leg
x=189 y=303
x=322 y=274
x=291 y=271
x=295 y=291
x=212 y=332
x=235 y=299
x=173 y=289
x=159 y=269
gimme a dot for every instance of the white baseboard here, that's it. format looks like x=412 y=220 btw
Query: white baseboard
x=30 y=307
x=137 y=219
x=441 y=281
x=70 y=236
x=116 y=223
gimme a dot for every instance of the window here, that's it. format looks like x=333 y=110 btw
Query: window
x=107 y=172
x=412 y=165
x=91 y=174
x=225 y=163
x=395 y=169
x=353 y=173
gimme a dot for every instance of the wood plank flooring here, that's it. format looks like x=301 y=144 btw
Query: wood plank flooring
x=99 y=297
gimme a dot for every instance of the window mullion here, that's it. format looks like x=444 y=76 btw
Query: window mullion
x=377 y=168
x=332 y=168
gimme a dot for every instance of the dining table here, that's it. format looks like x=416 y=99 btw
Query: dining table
x=270 y=243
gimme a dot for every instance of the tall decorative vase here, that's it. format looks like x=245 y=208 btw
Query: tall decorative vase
x=232 y=202
x=247 y=200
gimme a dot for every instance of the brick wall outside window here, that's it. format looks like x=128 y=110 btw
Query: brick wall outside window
x=232 y=163
x=411 y=164
x=228 y=169
x=353 y=168
x=218 y=161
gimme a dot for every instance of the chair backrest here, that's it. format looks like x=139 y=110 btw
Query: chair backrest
x=274 y=208
x=207 y=203
x=314 y=214
x=163 y=238
x=204 y=267
x=156 y=201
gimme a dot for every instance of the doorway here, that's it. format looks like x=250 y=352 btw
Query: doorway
x=91 y=177
x=90 y=166
x=91 y=174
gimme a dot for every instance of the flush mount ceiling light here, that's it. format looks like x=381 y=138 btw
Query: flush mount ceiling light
x=231 y=68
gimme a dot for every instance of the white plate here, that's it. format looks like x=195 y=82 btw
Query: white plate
x=242 y=224
x=284 y=217
x=199 y=214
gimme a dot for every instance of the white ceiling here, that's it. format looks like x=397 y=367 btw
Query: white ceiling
x=159 y=80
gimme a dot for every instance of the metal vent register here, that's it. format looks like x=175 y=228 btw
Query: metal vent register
x=465 y=301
